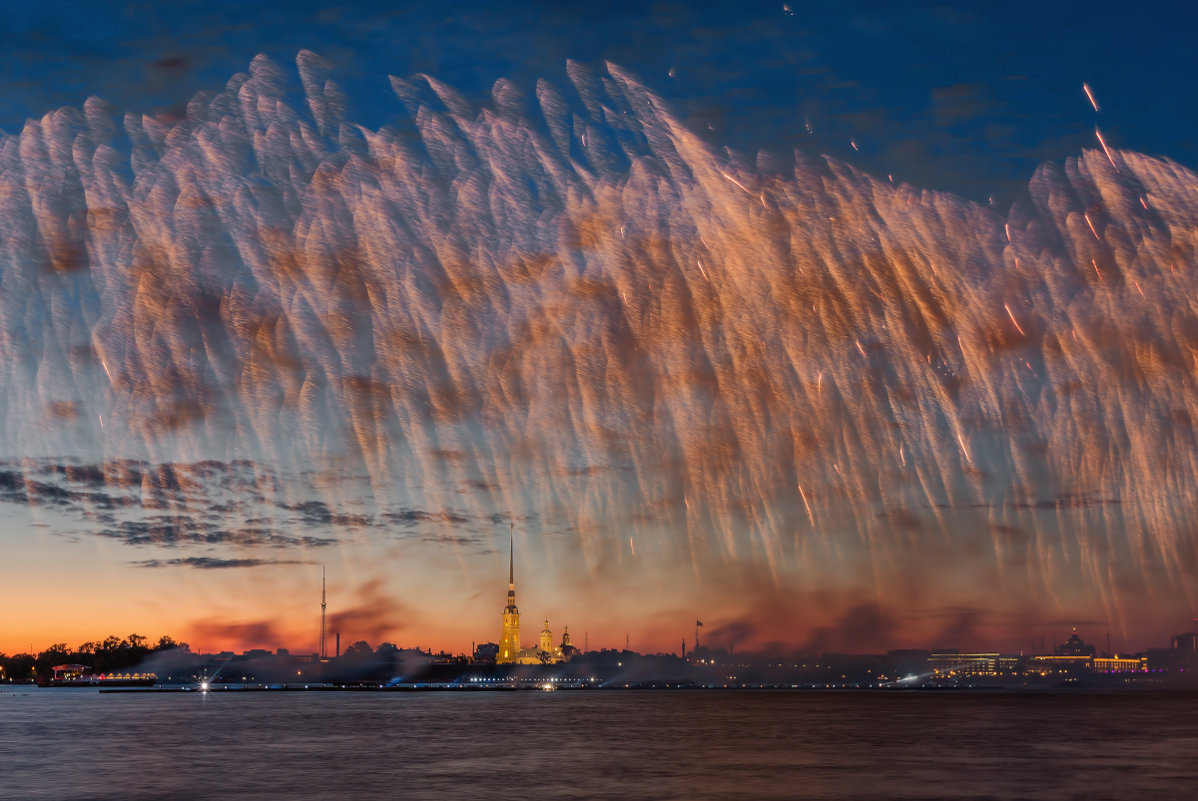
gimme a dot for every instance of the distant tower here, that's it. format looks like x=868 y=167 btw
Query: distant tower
x=323 y=651
x=546 y=644
x=509 y=642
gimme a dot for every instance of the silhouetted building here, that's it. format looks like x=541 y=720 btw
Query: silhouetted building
x=567 y=649
x=906 y=661
x=1183 y=653
x=1074 y=647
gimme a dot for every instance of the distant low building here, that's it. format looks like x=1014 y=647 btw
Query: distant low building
x=486 y=652
x=907 y=661
x=1186 y=643
x=944 y=662
x=1182 y=653
x=1047 y=664
x=1117 y=664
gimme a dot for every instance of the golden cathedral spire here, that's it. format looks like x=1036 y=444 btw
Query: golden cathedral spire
x=509 y=643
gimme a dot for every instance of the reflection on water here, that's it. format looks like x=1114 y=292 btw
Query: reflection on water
x=83 y=745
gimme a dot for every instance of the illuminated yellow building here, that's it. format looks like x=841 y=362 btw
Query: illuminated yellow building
x=510 y=652
x=1117 y=664
x=1068 y=663
x=509 y=642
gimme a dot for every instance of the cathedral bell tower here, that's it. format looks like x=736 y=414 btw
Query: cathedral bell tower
x=509 y=643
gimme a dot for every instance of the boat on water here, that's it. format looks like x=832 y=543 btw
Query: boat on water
x=82 y=676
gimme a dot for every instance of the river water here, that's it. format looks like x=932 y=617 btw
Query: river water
x=83 y=746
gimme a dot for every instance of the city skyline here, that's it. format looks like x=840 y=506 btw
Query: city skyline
x=725 y=640
x=905 y=360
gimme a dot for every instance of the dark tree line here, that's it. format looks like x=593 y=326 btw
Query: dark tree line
x=103 y=656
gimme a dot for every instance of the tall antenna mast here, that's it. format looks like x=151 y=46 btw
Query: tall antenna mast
x=323 y=652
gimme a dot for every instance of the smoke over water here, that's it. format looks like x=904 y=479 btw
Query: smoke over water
x=568 y=309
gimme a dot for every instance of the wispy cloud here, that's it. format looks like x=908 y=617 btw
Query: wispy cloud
x=212 y=503
x=214 y=563
x=183 y=530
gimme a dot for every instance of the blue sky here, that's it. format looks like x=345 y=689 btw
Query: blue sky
x=963 y=97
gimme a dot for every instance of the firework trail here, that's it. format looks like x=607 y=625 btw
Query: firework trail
x=572 y=304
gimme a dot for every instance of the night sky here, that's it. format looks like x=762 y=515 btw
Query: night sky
x=968 y=98
x=316 y=315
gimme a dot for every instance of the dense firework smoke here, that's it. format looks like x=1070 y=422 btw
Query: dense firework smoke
x=572 y=309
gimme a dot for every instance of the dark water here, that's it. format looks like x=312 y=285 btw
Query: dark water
x=629 y=745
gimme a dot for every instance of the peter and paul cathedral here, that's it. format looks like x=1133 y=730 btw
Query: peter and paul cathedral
x=510 y=652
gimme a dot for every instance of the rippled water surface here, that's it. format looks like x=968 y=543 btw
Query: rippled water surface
x=83 y=745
